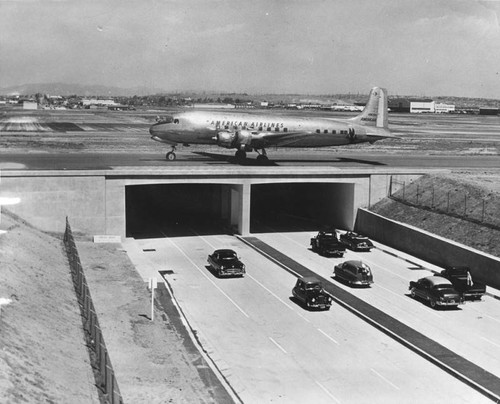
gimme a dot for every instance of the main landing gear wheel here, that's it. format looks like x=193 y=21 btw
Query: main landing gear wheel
x=262 y=158
x=240 y=155
x=170 y=156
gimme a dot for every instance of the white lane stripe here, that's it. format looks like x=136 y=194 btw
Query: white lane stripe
x=210 y=280
x=327 y=392
x=491 y=342
x=384 y=379
x=278 y=345
x=327 y=336
x=276 y=296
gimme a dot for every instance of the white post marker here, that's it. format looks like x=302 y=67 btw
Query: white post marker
x=4 y=300
x=153 y=284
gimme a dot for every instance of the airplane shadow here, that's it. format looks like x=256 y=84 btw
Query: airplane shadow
x=270 y=162
x=233 y=160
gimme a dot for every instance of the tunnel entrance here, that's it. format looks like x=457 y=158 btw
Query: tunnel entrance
x=168 y=210
x=301 y=207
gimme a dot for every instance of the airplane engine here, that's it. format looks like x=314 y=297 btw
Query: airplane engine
x=240 y=139
x=226 y=139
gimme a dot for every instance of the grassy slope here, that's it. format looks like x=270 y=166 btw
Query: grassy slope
x=459 y=194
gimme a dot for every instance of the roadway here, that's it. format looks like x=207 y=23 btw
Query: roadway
x=272 y=350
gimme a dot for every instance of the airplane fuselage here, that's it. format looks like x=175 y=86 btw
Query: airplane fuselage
x=245 y=131
x=201 y=127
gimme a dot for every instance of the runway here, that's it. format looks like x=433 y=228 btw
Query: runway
x=310 y=158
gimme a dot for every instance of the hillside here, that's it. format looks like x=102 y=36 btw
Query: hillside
x=43 y=356
x=462 y=206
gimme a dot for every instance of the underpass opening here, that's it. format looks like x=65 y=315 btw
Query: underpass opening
x=287 y=207
x=168 y=210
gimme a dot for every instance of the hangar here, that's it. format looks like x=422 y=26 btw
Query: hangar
x=156 y=202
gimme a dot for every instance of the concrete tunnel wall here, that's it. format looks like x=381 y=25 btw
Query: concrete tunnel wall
x=94 y=201
x=429 y=247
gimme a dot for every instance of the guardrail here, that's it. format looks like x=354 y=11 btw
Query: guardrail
x=103 y=371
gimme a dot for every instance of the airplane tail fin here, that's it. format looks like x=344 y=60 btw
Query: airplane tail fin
x=375 y=111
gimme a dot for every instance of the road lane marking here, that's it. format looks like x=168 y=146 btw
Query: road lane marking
x=385 y=379
x=278 y=345
x=327 y=336
x=491 y=342
x=276 y=296
x=327 y=392
x=210 y=280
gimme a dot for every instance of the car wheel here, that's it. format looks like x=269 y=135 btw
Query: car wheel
x=433 y=303
x=412 y=293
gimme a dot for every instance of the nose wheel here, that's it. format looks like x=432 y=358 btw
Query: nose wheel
x=170 y=156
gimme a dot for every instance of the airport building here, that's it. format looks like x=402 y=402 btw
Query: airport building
x=444 y=108
x=422 y=106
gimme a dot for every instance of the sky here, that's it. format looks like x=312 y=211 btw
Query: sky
x=410 y=47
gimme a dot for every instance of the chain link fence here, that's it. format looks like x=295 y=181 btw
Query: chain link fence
x=103 y=371
x=472 y=206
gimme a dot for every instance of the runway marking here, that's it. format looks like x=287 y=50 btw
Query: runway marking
x=385 y=379
x=327 y=336
x=210 y=280
x=327 y=392
x=278 y=345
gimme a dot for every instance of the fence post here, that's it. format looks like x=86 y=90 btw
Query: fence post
x=417 y=194
x=432 y=204
x=465 y=204
x=448 y=203
x=482 y=214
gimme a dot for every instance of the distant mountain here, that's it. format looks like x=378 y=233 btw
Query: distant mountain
x=78 y=89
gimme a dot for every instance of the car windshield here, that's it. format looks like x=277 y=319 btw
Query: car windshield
x=444 y=288
x=227 y=256
x=315 y=286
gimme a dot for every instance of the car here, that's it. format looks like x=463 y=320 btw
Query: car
x=436 y=290
x=356 y=241
x=327 y=243
x=354 y=273
x=309 y=291
x=461 y=278
x=225 y=262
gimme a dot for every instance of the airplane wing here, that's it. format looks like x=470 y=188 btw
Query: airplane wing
x=266 y=139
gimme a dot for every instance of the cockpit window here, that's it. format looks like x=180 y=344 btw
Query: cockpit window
x=165 y=119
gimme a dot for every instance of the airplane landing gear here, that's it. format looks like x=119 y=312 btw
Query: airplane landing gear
x=170 y=156
x=240 y=155
x=262 y=157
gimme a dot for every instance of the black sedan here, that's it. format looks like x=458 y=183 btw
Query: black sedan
x=225 y=262
x=356 y=242
x=309 y=291
x=436 y=290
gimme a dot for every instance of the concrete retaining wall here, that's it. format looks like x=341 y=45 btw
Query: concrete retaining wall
x=429 y=247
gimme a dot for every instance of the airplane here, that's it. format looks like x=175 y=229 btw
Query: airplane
x=248 y=132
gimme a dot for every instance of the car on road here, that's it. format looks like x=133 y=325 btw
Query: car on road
x=356 y=241
x=461 y=278
x=355 y=273
x=327 y=243
x=436 y=290
x=225 y=262
x=309 y=291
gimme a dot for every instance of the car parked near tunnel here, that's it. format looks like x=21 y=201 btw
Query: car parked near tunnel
x=225 y=262
x=355 y=241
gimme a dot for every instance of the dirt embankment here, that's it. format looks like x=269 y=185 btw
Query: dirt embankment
x=44 y=357
x=462 y=206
